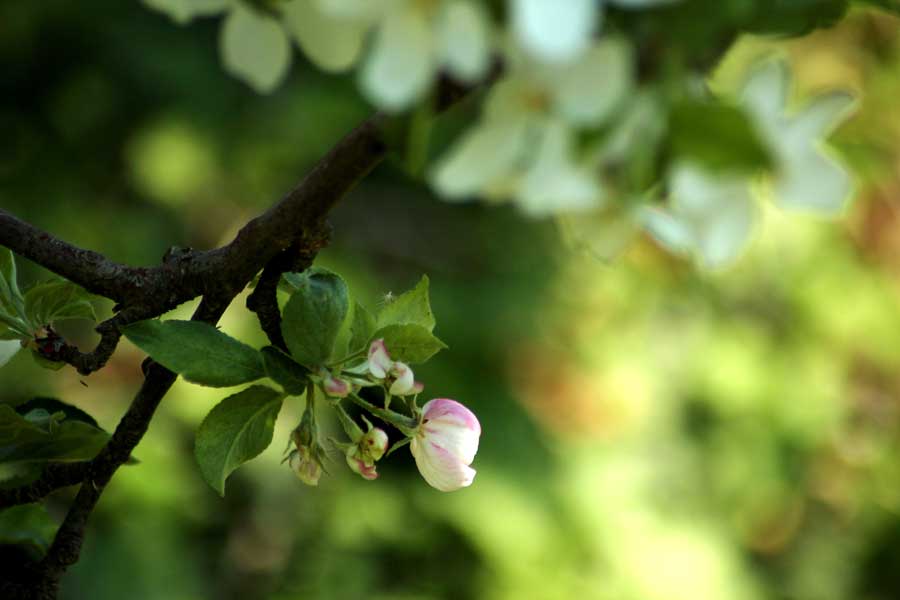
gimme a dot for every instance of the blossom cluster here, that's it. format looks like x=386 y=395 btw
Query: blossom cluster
x=443 y=435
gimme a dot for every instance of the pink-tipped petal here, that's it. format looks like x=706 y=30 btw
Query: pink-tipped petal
x=379 y=360
x=445 y=444
x=405 y=382
x=359 y=466
x=451 y=411
x=337 y=388
x=439 y=467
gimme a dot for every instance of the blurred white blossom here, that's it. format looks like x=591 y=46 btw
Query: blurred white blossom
x=806 y=176
x=523 y=148
x=709 y=216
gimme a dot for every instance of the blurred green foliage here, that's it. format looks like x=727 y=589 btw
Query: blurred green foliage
x=649 y=432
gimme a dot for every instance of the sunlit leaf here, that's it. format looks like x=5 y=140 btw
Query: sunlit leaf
x=236 y=430
x=197 y=351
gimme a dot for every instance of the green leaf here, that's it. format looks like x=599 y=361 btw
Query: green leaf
x=718 y=136
x=22 y=441
x=197 y=351
x=52 y=301
x=236 y=430
x=409 y=343
x=313 y=317
x=52 y=405
x=361 y=328
x=29 y=526
x=8 y=349
x=412 y=307
x=283 y=370
x=12 y=304
x=46 y=363
x=795 y=17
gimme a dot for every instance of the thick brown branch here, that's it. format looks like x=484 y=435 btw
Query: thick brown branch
x=43 y=579
x=154 y=290
x=286 y=237
x=264 y=299
x=91 y=270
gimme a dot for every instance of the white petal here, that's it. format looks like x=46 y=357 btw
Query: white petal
x=512 y=98
x=640 y=3
x=379 y=361
x=182 y=11
x=254 y=48
x=723 y=238
x=483 y=154
x=822 y=115
x=332 y=44
x=555 y=183
x=765 y=95
x=587 y=92
x=440 y=468
x=555 y=30
x=405 y=383
x=463 y=40
x=813 y=182
x=400 y=66
x=713 y=216
x=695 y=193
x=361 y=10
x=8 y=349
x=671 y=232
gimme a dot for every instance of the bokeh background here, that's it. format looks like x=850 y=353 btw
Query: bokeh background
x=651 y=432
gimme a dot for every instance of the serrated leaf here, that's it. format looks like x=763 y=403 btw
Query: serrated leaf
x=283 y=370
x=718 y=136
x=22 y=441
x=412 y=307
x=28 y=526
x=197 y=351
x=361 y=328
x=313 y=317
x=237 y=429
x=409 y=343
x=53 y=301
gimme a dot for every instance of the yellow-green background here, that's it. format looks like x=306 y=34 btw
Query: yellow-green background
x=650 y=432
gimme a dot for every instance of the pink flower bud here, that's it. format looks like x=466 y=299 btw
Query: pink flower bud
x=379 y=360
x=445 y=444
x=335 y=387
x=306 y=466
x=373 y=444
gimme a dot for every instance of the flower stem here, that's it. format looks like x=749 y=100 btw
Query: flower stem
x=406 y=425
